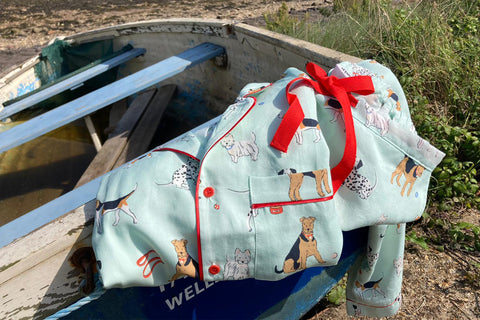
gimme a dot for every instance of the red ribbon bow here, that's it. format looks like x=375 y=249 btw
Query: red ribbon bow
x=342 y=90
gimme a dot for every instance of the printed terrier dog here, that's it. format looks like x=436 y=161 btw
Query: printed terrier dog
x=304 y=247
x=296 y=181
x=308 y=124
x=186 y=266
x=375 y=119
x=394 y=96
x=237 y=149
x=237 y=268
x=411 y=170
x=116 y=206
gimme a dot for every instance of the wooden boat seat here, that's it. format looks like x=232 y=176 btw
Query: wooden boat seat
x=107 y=95
x=70 y=81
x=77 y=109
x=124 y=145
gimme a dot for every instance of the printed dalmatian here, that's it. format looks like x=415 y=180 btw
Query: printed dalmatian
x=181 y=176
x=358 y=183
x=372 y=257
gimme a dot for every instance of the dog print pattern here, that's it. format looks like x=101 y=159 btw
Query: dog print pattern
x=186 y=265
x=296 y=182
x=375 y=119
x=408 y=168
x=117 y=205
x=181 y=176
x=237 y=268
x=237 y=149
x=371 y=287
x=308 y=124
x=336 y=108
x=358 y=183
x=305 y=246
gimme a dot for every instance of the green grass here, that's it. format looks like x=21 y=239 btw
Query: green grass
x=434 y=50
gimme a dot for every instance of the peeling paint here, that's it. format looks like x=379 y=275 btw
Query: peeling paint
x=80 y=228
x=12 y=313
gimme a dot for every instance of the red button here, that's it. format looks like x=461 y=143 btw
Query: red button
x=208 y=192
x=214 y=269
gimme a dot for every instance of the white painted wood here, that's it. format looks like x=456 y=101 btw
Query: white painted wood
x=36 y=278
x=69 y=83
x=106 y=95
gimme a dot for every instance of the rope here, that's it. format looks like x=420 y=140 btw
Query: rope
x=97 y=293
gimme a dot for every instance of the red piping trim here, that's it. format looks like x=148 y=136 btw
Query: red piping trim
x=177 y=151
x=197 y=211
x=378 y=307
x=288 y=203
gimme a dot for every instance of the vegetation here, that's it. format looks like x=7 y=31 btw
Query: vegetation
x=434 y=50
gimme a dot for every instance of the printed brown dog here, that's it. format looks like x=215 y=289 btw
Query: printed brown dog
x=411 y=170
x=186 y=265
x=296 y=181
x=304 y=247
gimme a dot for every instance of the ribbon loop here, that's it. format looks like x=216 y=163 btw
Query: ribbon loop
x=332 y=86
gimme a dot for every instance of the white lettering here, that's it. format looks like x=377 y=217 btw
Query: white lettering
x=162 y=287
x=197 y=289
x=176 y=301
x=189 y=293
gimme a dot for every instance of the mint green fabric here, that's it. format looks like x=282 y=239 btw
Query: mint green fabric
x=218 y=202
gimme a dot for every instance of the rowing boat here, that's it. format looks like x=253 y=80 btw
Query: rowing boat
x=207 y=62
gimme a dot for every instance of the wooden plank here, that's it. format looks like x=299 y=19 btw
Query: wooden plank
x=36 y=278
x=69 y=83
x=142 y=136
x=107 y=95
x=106 y=158
x=116 y=113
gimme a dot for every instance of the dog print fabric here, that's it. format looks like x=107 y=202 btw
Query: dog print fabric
x=237 y=268
x=219 y=203
x=304 y=247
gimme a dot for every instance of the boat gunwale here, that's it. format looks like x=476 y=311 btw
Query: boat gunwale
x=229 y=27
x=51 y=238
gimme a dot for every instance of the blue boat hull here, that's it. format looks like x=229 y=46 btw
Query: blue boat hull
x=187 y=298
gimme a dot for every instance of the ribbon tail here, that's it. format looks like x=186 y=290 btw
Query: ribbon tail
x=287 y=128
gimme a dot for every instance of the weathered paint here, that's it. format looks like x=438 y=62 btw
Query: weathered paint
x=46 y=251
x=66 y=84
x=24 y=84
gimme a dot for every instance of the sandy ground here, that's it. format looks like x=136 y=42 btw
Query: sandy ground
x=437 y=285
